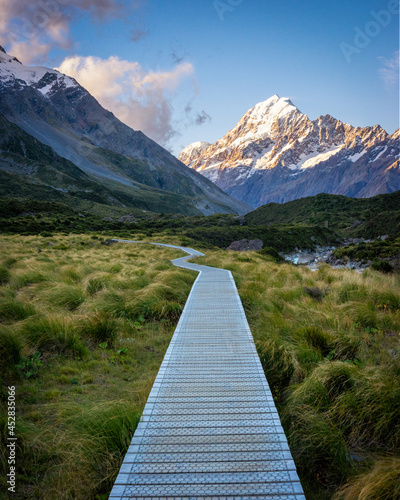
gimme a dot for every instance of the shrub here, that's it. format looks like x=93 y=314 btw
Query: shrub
x=316 y=293
x=382 y=265
x=29 y=367
x=272 y=253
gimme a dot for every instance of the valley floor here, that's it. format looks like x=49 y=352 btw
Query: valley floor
x=84 y=328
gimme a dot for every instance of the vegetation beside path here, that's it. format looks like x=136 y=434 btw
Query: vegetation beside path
x=329 y=342
x=83 y=330
x=84 y=326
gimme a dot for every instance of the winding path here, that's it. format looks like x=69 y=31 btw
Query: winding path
x=210 y=429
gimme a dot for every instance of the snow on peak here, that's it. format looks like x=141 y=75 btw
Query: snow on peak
x=273 y=108
x=11 y=69
x=193 y=151
x=260 y=121
x=197 y=145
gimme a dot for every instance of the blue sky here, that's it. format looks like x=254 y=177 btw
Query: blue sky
x=200 y=65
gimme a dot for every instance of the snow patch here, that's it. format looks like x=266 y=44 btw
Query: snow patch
x=12 y=69
x=308 y=161
x=357 y=156
x=379 y=154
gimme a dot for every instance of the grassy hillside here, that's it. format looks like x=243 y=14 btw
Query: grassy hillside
x=83 y=331
x=378 y=215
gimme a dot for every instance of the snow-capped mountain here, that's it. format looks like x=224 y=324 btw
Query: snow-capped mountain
x=45 y=80
x=275 y=153
x=57 y=111
x=193 y=151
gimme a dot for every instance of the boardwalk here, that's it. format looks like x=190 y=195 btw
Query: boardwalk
x=210 y=429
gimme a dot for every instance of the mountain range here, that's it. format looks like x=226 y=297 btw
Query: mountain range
x=275 y=153
x=57 y=141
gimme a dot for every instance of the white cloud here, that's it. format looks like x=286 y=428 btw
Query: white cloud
x=140 y=99
x=30 y=28
x=389 y=72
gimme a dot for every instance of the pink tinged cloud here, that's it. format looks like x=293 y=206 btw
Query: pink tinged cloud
x=142 y=100
x=30 y=28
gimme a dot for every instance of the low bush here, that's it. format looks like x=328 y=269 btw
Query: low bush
x=382 y=266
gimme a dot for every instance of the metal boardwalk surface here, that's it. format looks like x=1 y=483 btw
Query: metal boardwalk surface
x=210 y=429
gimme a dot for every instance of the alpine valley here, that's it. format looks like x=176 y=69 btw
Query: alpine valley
x=277 y=154
x=57 y=143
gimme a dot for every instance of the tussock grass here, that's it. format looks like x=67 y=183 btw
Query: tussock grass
x=332 y=361
x=10 y=349
x=53 y=333
x=381 y=482
x=83 y=331
x=4 y=275
x=100 y=327
x=15 y=310
x=68 y=296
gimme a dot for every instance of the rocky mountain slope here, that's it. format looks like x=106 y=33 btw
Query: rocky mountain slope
x=30 y=169
x=275 y=153
x=58 y=112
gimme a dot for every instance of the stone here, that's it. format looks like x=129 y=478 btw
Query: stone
x=245 y=245
x=306 y=258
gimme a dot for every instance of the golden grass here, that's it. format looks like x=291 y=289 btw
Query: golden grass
x=101 y=318
x=329 y=342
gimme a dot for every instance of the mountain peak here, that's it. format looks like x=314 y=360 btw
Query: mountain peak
x=273 y=108
x=276 y=153
x=2 y=50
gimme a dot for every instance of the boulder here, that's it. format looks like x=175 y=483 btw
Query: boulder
x=306 y=258
x=244 y=245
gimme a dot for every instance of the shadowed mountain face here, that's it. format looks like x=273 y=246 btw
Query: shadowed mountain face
x=57 y=111
x=276 y=154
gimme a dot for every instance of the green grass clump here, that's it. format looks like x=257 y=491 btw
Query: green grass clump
x=15 y=310
x=381 y=481
x=68 y=296
x=53 y=333
x=4 y=275
x=318 y=339
x=10 y=350
x=100 y=327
